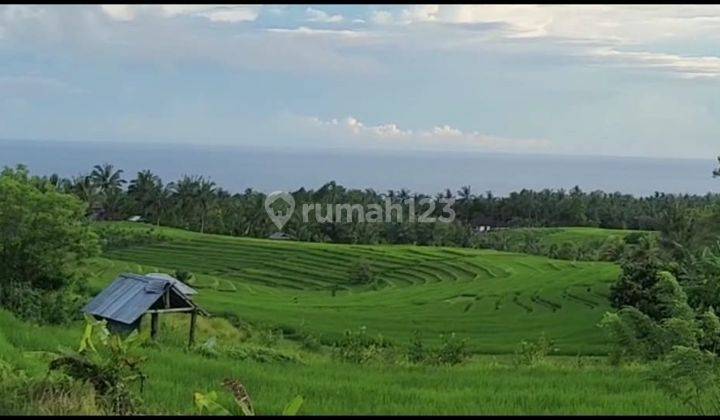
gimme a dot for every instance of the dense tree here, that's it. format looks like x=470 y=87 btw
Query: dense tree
x=43 y=237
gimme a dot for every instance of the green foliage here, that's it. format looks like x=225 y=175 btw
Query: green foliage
x=417 y=353
x=294 y=406
x=50 y=394
x=43 y=239
x=709 y=325
x=531 y=353
x=361 y=273
x=185 y=276
x=640 y=271
x=668 y=298
x=691 y=376
x=637 y=337
x=450 y=351
x=359 y=347
x=118 y=236
x=208 y=403
x=633 y=335
x=108 y=362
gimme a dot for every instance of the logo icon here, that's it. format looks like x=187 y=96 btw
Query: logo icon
x=280 y=206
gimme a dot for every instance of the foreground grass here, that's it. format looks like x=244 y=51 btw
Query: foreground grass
x=484 y=385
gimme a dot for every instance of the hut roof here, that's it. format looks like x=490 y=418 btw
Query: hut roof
x=182 y=287
x=131 y=295
x=280 y=235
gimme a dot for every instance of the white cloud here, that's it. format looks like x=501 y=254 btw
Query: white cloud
x=351 y=131
x=686 y=67
x=382 y=17
x=610 y=23
x=214 y=13
x=306 y=31
x=122 y=12
x=316 y=15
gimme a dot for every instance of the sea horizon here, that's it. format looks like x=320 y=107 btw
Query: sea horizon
x=266 y=168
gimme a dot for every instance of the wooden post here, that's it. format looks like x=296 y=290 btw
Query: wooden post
x=193 y=319
x=154 y=318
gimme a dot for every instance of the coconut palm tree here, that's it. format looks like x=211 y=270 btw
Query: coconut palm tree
x=107 y=178
x=143 y=191
x=109 y=182
x=206 y=198
x=85 y=189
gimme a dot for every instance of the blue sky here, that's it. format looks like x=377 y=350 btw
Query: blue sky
x=610 y=80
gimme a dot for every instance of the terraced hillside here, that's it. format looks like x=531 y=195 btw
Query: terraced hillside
x=494 y=299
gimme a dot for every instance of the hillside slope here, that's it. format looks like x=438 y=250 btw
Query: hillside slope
x=494 y=299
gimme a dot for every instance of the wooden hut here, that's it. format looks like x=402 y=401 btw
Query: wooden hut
x=127 y=299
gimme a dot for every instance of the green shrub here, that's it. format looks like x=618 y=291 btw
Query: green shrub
x=109 y=364
x=50 y=394
x=114 y=237
x=361 y=273
x=452 y=351
x=531 y=353
x=359 y=347
x=692 y=377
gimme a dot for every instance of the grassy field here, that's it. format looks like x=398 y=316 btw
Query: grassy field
x=492 y=299
x=484 y=385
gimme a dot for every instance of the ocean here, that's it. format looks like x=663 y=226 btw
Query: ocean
x=238 y=168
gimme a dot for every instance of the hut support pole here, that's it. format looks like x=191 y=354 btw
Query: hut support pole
x=193 y=319
x=154 y=318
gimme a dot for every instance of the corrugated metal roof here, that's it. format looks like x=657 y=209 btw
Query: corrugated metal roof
x=182 y=287
x=127 y=298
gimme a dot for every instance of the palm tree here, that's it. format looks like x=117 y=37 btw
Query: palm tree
x=109 y=183
x=143 y=190
x=184 y=192
x=206 y=198
x=84 y=188
x=465 y=200
x=161 y=198
x=107 y=178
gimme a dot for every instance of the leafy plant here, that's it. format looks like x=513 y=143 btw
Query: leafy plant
x=531 y=353
x=452 y=350
x=691 y=376
x=108 y=363
x=359 y=347
x=361 y=273
x=209 y=404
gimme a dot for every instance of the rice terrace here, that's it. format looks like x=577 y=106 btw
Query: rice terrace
x=339 y=209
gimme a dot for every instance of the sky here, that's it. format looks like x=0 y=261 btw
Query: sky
x=592 y=80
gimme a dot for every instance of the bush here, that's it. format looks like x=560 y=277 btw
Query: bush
x=417 y=353
x=117 y=237
x=109 y=364
x=691 y=376
x=361 y=273
x=51 y=394
x=452 y=351
x=531 y=353
x=359 y=347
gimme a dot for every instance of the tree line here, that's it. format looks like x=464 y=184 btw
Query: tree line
x=197 y=203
